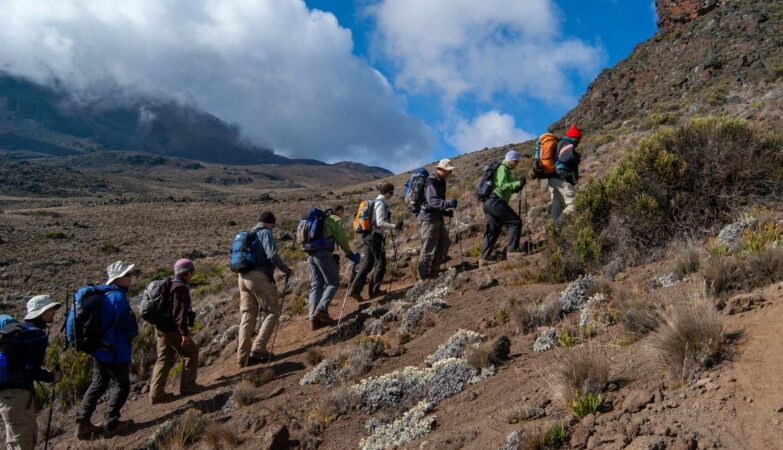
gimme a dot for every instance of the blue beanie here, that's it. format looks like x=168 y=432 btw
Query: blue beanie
x=513 y=155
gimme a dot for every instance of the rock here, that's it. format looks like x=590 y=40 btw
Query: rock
x=523 y=412
x=486 y=283
x=195 y=254
x=228 y=336
x=731 y=235
x=500 y=349
x=636 y=401
x=579 y=437
x=275 y=438
x=546 y=341
x=647 y=443
x=589 y=422
x=744 y=302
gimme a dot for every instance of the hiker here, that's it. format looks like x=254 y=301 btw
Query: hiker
x=434 y=235
x=29 y=350
x=257 y=291
x=498 y=211
x=111 y=359
x=374 y=256
x=323 y=266
x=561 y=183
x=172 y=337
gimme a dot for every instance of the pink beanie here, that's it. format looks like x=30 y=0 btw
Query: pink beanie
x=183 y=265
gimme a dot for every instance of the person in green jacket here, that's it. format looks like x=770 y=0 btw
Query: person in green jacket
x=497 y=210
x=324 y=270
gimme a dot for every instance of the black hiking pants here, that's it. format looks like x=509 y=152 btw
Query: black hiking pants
x=374 y=255
x=102 y=374
x=498 y=214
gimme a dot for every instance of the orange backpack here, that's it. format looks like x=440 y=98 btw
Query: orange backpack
x=362 y=222
x=545 y=157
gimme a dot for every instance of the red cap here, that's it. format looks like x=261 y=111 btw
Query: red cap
x=574 y=132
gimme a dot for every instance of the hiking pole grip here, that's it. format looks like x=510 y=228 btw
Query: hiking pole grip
x=274 y=335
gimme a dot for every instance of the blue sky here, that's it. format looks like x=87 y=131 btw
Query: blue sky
x=394 y=83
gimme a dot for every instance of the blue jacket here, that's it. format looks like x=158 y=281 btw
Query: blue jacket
x=119 y=326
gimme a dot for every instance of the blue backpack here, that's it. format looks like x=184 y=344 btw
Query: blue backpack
x=246 y=252
x=413 y=195
x=310 y=232
x=83 y=328
x=485 y=184
x=18 y=344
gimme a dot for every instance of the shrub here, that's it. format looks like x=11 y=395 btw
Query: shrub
x=721 y=274
x=542 y=438
x=685 y=263
x=766 y=268
x=581 y=373
x=586 y=404
x=637 y=315
x=260 y=377
x=314 y=356
x=183 y=432
x=110 y=249
x=219 y=436
x=474 y=251
x=589 y=330
x=666 y=188
x=689 y=339
x=478 y=358
x=529 y=316
x=145 y=351
x=501 y=316
x=56 y=235
x=245 y=393
x=297 y=307
x=758 y=238
x=76 y=368
x=340 y=402
x=565 y=338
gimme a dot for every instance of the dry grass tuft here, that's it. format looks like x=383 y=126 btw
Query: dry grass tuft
x=219 y=436
x=582 y=373
x=478 y=358
x=545 y=438
x=339 y=402
x=245 y=393
x=686 y=262
x=186 y=430
x=314 y=356
x=689 y=339
x=528 y=315
x=721 y=274
x=766 y=268
x=637 y=315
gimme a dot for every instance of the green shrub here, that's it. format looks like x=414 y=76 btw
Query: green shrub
x=586 y=404
x=76 y=368
x=145 y=353
x=756 y=239
x=56 y=235
x=565 y=338
x=110 y=249
x=297 y=307
x=474 y=251
x=501 y=316
x=581 y=378
x=542 y=438
x=775 y=74
x=686 y=263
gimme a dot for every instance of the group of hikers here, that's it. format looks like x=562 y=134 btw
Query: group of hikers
x=101 y=322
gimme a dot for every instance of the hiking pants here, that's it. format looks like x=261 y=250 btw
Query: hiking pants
x=324 y=280
x=102 y=374
x=257 y=291
x=563 y=194
x=434 y=247
x=169 y=345
x=499 y=213
x=21 y=429
x=374 y=256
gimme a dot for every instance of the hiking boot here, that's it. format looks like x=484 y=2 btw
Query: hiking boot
x=323 y=317
x=486 y=262
x=86 y=430
x=316 y=324
x=262 y=356
x=356 y=296
x=378 y=293
x=191 y=389
x=162 y=398
x=112 y=429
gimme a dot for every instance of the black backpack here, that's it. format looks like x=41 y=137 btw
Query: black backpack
x=83 y=327
x=414 y=190
x=18 y=343
x=484 y=186
x=155 y=305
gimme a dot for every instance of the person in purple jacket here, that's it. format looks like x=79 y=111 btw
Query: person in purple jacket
x=111 y=361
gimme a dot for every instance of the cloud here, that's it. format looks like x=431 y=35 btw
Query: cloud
x=481 y=49
x=491 y=129
x=286 y=74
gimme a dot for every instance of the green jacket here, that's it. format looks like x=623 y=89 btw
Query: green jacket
x=334 y=229
x=504 y=183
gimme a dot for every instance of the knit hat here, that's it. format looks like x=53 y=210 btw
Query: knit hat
x=267 y=217
x=574 y=132
x=385 y=188
x=183 y=265
x=118 y=269
x=39 y=305
x=445 y=164
x=513 y=155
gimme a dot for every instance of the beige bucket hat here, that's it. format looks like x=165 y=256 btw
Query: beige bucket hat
x=445 y=164
x=118 y=269
x=39 y=305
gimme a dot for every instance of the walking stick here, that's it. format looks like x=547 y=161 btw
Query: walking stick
x=459 y=239
x=347 y=290
x=394 y=249
x=529 y=245
x=51 y=410
x=274 y=335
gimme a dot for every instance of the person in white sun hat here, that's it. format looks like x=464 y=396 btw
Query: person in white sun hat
x=29 y=341
x=434 y=235
x=111 y=360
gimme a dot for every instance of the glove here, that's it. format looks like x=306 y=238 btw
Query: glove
x=522 y=181
x=353 y=257
x=452 y=204
x=290 y=272
x=398 y=225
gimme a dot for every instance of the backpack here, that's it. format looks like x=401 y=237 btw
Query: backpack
x=545 y=157
x=310 y=231
x=485 y=185
x=363 y=221
x=154 y=301
x=10 y=329
x=83 y=327
x=414 y=190
x=246 y=252
x=20 y=344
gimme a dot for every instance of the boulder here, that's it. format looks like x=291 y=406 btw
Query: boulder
x=744 y=302
x=635 y=401
x=275 y=438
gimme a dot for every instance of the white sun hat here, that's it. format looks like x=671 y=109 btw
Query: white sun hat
x=118 y=269
x=39 y=305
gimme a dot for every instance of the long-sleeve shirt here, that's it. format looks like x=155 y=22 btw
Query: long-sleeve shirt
x=181 y=305
x=334 y=230
x=435 y=203
x=120 y=326
x=269 y=245
x=504 y=183
x=382 y=216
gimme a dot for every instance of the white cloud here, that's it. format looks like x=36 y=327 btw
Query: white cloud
x=286 y=74
x=491 y=129
x=482 y=48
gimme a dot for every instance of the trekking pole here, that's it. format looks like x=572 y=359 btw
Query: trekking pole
x=51 y=410
x=347 y=290
x=527 y=225
x=274 y=335
x=459 y=239
x=394 y=250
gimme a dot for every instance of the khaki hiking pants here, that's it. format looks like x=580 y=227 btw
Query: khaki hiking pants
x=169 y=345
x=563 y=194
x=434 y=247
x=21 y=429
x=257 y=291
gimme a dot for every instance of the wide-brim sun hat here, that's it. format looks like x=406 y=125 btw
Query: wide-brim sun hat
x=39 y=305
x=445 y=164
x=118 y=269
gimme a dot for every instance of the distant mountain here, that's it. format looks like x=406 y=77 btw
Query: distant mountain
x=47 y=120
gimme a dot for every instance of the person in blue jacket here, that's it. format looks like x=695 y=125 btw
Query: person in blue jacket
x=111 y=361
